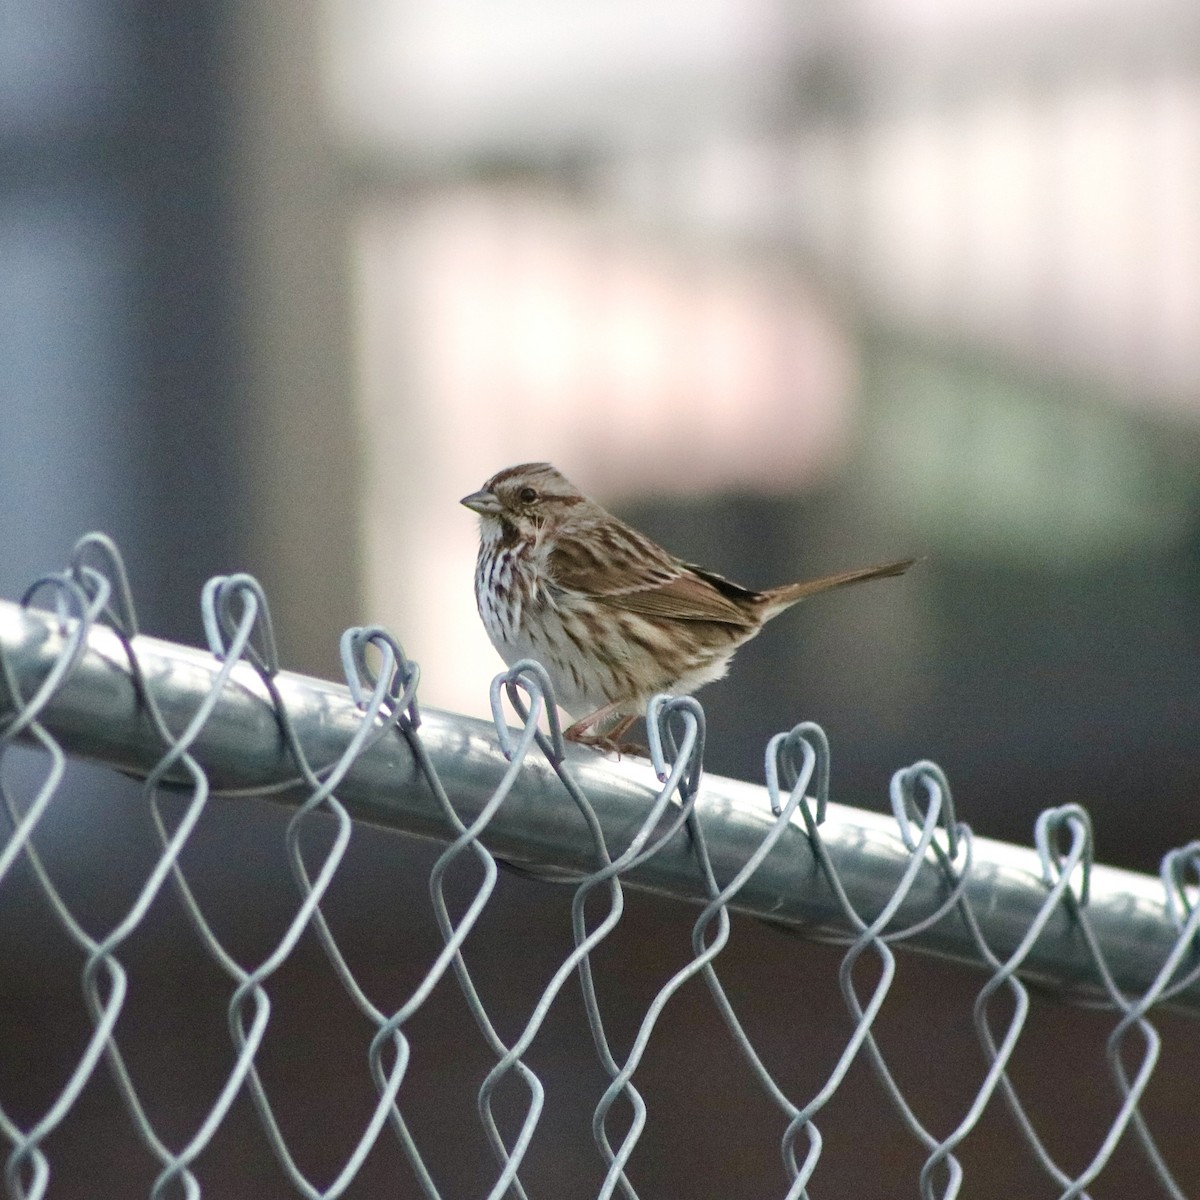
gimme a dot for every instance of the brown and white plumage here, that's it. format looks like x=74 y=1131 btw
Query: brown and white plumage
x=612 y=616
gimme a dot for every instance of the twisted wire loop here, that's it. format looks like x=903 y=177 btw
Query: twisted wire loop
x=807 y=742
x=870 y=936
x=936 y=890
x=26 y=1168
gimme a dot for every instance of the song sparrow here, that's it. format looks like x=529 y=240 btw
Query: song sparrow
x=612 y=616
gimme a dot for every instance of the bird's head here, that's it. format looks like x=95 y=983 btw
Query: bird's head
x=520 y=502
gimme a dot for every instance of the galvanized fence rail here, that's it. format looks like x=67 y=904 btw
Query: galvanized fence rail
x=77 y=678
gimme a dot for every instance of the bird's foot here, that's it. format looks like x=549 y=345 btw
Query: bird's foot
x=610 y=742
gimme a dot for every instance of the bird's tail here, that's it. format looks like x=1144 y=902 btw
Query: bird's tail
x=777 y=599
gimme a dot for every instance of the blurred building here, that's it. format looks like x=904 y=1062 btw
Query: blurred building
x=792 y=287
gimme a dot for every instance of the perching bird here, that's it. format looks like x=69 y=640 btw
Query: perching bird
x=613 y=617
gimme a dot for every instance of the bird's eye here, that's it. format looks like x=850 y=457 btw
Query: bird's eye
x=528 y=495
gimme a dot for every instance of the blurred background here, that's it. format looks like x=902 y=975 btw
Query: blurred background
x=792 y=287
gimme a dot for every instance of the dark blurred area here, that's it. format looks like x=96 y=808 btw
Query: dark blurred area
x=251 y=273
x=120 y=339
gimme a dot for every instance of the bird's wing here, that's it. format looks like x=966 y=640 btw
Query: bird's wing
x=686 y=598
x=622 y=569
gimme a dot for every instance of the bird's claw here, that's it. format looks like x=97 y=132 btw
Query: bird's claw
x=609 y=745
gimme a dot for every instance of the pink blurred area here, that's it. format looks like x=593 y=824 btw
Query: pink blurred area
x=542 y=332
x=937 y=264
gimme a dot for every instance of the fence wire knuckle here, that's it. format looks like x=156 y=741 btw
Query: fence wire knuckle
x=78 y=680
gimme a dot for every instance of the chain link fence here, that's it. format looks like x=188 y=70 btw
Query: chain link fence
x=207 y=734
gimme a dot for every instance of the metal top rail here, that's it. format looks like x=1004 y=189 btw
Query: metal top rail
x=97 y=713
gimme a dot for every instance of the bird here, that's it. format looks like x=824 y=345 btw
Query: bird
x=613 y=617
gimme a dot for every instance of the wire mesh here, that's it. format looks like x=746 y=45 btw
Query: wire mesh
x=228 y=726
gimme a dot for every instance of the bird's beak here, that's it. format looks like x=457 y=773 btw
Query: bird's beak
x=484 y=503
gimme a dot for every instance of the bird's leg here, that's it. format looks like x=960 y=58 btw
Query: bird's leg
x=578 y=733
